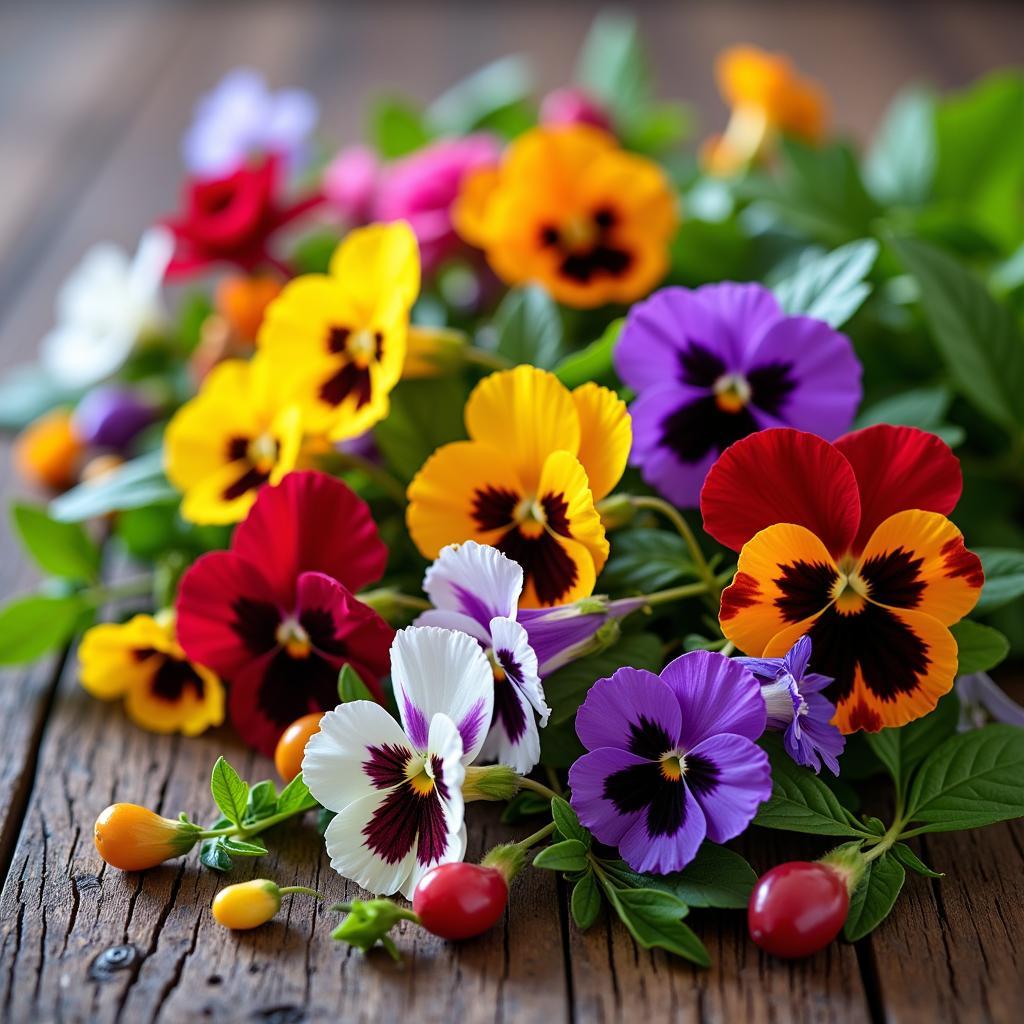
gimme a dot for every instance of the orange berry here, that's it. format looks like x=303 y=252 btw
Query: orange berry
x=247 y=904
x=242 y=301
x=48 y=450
x=292 y=745
x=134 y=838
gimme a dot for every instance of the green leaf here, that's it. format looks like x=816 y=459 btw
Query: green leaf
x=717 y=877
x=1004 y=577
x=644 y=560
x=567 y=688
x=910 y=860
x=213 y=854
x=61 y=549
x=593 y=362
x=801 y=802
x=254 y=847
x=830 y=286
x=569 y=855
x=979 y=647
x=523 y=806
x=874 y=897
x=29 y=391
x=567 y=823
x=295 y=797
x=396 y=128
x=424 y=414
x=976 y=335
x=481 y=99
x=900 y=165
x=230 y=792
x=132 y=485
x=613 y=67
x=924 y=408
x=351 y=686
x=31 y=626
x=262 y=802
x=655 y=919
x=529 y=328
x=902 y=749
x=971 y=780
x=586 y=901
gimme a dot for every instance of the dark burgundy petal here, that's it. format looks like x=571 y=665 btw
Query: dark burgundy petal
x=350 y=379
x=255 y=623
x=405 y=816
x=494 y=507
x=387 y=764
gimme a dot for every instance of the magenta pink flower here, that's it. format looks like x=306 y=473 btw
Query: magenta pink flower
x=350 y=183
x=572 y=105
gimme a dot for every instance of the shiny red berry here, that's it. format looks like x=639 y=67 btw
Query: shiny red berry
x=797 y=908
x=458 y=901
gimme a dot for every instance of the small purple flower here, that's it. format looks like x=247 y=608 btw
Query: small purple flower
x=983 y=701
x=796 y=706
x=112 y=416
x=712 y=365
x=672 y=759
x=241 y=117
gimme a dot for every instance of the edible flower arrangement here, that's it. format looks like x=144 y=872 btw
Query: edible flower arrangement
x=662 y=486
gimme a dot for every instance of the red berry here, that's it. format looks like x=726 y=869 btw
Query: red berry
x=797 y=908
x=458 y=901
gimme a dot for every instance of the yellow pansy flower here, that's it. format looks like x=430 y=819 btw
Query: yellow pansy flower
x=237 y=434
x=538 y=459
x=337 y=341
x=141 y=661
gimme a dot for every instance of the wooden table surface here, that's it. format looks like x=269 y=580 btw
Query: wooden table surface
x=93 y=101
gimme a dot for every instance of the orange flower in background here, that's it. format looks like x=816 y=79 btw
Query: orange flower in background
x=768 y=97
x=48 y=451
x=571 y=210
x=242 y=300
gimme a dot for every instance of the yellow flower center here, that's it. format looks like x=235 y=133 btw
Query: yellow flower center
x=732 y=392
x=416 y=774
x=579 y=232
x=673 y=766
x=530 y=517
x=262 y=452
x=849 y=591
x=361 y=346
x=294 y=639
x=497 y=669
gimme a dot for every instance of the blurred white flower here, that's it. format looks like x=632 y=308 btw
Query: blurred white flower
x=242 y=116
x=109 y=301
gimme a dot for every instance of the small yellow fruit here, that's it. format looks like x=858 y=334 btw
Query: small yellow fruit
x=247 y=904
x=134 y=838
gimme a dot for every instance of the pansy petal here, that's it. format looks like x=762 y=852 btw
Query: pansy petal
x=633 y=710
x=440 y=671
x=715 y=695
x=514 y=653
x=918 y=560
x=605 y=436
x=730 y=776
x=781 y=476
x=379 y=262
x=454 y=620
x=476 y=580
x=360 y=749
x=899 y=468
x=652 y=844
x=784 y=576
x=587 y=780
x=569 y=507
x=748 y=311
x=527 y=413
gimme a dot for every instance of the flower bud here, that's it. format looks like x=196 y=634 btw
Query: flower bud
x=369 y=921
x=247 y=904
x=134 y=838
x=573 y=106
x=490 y=782
x=112 y=417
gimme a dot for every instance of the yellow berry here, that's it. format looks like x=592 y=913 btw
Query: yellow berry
x=247 y=904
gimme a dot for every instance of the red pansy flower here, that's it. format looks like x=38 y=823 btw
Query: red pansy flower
x=277 y=616
x=848 y=543
x=233 y=219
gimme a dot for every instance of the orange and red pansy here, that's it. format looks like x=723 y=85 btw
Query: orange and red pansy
x=848 y=543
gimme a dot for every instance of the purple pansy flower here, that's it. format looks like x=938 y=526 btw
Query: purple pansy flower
x=241 y=117
x=796 y=706
x=672 y=759
x=983 y=701
x=712 y=365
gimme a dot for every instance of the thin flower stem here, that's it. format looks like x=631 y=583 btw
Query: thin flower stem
x=538 y=836
x=884 y=843
x=552 y=775
x=391 y=485
x=385 y=595
x=538 y=787
x=728 y=648
x=245 y=831
x=486 y=360
x=138 y=587
x=672 y=514
x=285 y=890
x=673 y=594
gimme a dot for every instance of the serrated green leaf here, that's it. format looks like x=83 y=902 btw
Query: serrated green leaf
x=830 y=286
x=528 y=326
x=351 y=686
x=567 y=823
x=910 y=860
x=645 y=560
x=295 y=797
x=586 y=901
x=976 y=335
x=568 y=855
x=900 y=166
x=801 y=802
x=902 y=749
x=593 y=362
x=135 y=484
x=979 y=647
x=61 y=549
x=1004 y=578
x=254 y=847
x=655 y=919
x=230 y=792
x=971 y=780
x=31 y=626
x=874 y=897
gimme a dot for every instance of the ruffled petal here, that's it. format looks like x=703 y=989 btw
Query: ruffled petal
x=632 y=710
x=476 y=580
x=730 y=776
x=605 y=436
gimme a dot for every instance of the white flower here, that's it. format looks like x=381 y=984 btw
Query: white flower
x=108 y=302
x=475 y=589
x=397 y=789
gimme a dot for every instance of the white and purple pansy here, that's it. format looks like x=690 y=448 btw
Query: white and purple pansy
x=672 y=759
x=396 y=789
x=475 y=589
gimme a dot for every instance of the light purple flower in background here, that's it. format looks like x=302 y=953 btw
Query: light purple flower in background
x=983 y=701
x=714 y=364
x=797 y=707
x=241 y=117
x=672 y=759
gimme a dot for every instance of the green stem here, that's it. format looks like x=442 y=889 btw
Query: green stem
x=138 y=587
x=673 y=594
x=892 y=835
x=385 y=595
x=285 y=890
x=727 y=648
x=392 y=486
x=538 y=787
x=245 y=831
x=538 y=836
x=673 y=515
x=552 y=775
x=486 y=360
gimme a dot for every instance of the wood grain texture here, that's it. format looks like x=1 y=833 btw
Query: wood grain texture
x=91 y=153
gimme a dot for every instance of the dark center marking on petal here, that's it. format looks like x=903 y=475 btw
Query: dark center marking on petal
x=583 y=267
x=586 y=248
x=386 y=765
x=509 y=712
x=893 y=577
x=702 y=775
x=337 y=340
x=544 y=561
x=250 y=479
x=238 y=448
x=806 y=589
x=743 y=592
x=648 y=739
x=959 y=563
x=322 y=630
x=644 y=787
x=171 y=676
x=770 y=386
x=702 y=426
x=255 y=623
x=293 y=687
x=350 y=379
x=494 y=507
x=699 y=366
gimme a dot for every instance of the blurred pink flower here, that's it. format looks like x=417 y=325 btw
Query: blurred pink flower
x=573 y=105
x=351 y=181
